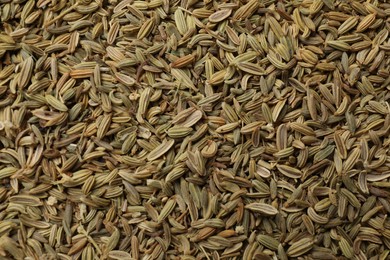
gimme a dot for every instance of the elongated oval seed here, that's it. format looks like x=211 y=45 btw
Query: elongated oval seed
x=26 y=200
x=268 y=241
x=289 y=171
x=26 y=72
x=366 y=22
x=262 y=208
x=57 y=104
x=192 y=119
x=179 y=132
x=300 y=247
x=160 y=150
x=220 y=15
x=167 y=209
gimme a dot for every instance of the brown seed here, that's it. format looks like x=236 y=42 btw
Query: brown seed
x=183 y=61
x=220 y=15
x=300 y=247
x=262 y=208
x=366 y=22
x=160 y=150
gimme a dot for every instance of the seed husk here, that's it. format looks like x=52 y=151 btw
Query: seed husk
x=220 y=15
x=268 y=241
x=300 y=247
x=160 y=150
x=262 y=208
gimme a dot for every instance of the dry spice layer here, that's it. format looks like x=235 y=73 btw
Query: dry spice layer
x=194 y=129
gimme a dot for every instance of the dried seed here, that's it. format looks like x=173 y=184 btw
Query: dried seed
x=220 y=15
x=262 y=208
x=300 y=247
x=160 y=150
